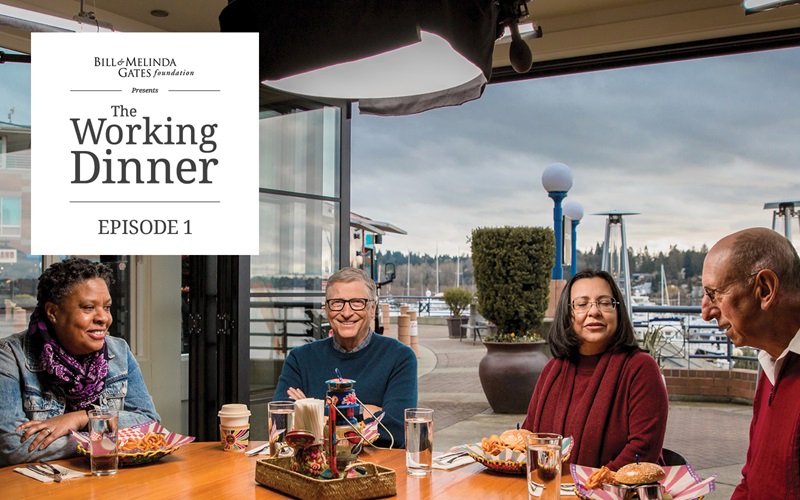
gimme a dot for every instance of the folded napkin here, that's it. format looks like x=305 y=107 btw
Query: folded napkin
x=451 y=460
x=66 y=473
x=259 y=450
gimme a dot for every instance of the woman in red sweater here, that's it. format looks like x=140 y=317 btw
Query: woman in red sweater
x=600 y=387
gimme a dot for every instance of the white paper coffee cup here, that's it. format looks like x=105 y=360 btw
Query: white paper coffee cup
x=234 y=414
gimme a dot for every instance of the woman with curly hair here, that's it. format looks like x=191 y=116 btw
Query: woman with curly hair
x=64 y=365
x=600 y=387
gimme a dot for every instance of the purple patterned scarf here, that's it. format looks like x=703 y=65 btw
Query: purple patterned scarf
x=82 y=378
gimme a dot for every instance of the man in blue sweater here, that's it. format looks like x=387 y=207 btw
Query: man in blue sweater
x=385 y=370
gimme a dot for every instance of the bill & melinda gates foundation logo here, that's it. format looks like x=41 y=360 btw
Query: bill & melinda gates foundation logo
x=142 y=67
x=146 y=145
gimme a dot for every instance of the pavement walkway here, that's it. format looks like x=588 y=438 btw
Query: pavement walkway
x=712 y=436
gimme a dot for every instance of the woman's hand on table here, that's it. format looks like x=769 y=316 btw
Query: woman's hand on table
x=49 y=430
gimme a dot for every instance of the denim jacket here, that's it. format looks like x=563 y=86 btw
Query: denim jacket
x=23 y=397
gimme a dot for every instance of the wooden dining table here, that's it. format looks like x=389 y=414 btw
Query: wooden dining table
x=204 y=470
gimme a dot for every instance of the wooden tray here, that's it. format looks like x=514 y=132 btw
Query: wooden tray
x=276 y=473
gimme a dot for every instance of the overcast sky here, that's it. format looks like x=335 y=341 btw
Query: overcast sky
x=696 y=147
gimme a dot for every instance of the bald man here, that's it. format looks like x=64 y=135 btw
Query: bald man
x=752 y=288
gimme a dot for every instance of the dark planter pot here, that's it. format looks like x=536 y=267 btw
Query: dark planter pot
x=509 y=372
x=454 y=326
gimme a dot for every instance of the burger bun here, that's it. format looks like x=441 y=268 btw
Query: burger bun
x=641 y=473
x=515 y=438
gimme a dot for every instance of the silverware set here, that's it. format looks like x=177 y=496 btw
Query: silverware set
x=566 y=488
x=449 y=458
x=257 y=450
x=45 y=469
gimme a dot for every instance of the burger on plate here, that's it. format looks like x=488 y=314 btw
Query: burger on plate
x=640 y=473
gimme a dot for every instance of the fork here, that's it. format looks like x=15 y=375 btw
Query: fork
x=46 y=469
x=53 y=469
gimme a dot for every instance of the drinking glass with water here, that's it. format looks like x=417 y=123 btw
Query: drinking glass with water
x=544 y=466
x=103 y=441
x=419 y=441
x=280 y=421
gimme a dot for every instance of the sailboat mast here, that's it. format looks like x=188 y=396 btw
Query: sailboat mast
x=408 y=273
x=437 y=268
x=458 y=270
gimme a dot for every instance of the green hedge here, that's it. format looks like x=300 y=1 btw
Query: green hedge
x=512 y=268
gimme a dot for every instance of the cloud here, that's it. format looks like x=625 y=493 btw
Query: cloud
x=697 y=147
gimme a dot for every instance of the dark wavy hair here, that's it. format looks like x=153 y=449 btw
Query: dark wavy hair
x=58 y=280
x=563 y=340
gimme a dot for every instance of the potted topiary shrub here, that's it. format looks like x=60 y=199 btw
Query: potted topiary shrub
x=512 y=269
x=457 y=300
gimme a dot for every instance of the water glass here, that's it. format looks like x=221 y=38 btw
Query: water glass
x=103 y=441
x=544 y=465
x=280 y=420
x=419 y=441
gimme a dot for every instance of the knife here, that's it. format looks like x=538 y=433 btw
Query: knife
x=256 y=450
x=46 y=469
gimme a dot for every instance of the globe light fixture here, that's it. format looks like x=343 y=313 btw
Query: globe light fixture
x=574 y=211
x=557 y=180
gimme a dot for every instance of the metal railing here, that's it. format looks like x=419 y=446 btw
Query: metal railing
x=683 y=340
x=687 y=340
x=288 y=323
x=425 y=306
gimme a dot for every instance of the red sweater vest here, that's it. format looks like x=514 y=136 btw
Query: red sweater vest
x=773 y=458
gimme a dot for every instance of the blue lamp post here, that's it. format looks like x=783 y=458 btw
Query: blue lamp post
x=574 y=211
x=557 y=179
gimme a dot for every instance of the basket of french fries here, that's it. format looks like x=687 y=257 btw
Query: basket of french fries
x=140 y=444
x=505 y=453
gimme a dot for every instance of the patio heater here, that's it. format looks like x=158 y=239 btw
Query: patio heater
x=557 y=180
x=615 y=252
x=574 y=211
x=782 y=214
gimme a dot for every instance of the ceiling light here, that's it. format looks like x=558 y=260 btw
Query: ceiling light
x=87 y=20
x=527 y=31
x=756 y=6
x=395 y=58
x=519 y=53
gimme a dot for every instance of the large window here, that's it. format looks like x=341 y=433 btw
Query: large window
x=299 y=153
x=10 y=216
x=19 y=270
x=299 y=209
